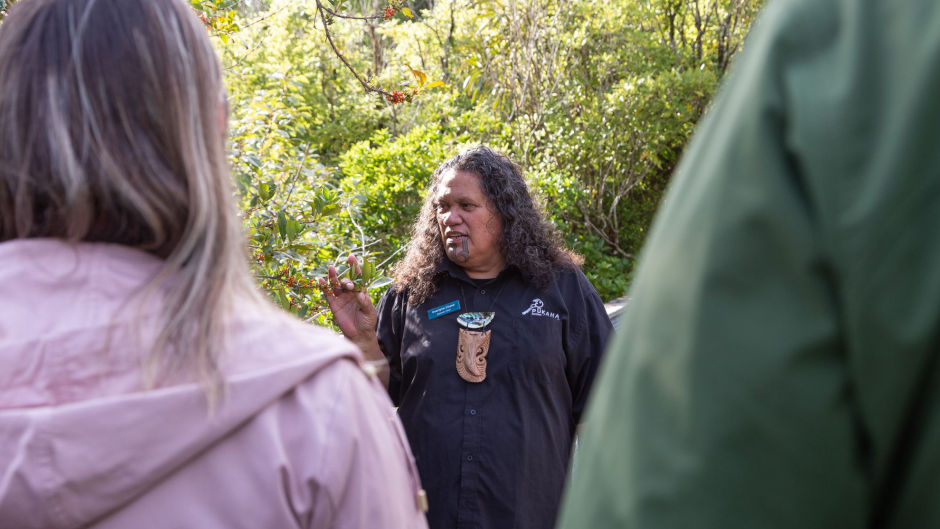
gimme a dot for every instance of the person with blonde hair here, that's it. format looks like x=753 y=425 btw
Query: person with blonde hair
x=144 y=381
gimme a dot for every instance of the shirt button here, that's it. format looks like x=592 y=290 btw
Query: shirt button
x=473 y=412
x=469 y=458
x=483 y=292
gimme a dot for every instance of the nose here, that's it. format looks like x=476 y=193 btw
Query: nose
x=450 y=218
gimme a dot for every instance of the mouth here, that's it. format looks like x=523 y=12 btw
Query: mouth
x=454 y=238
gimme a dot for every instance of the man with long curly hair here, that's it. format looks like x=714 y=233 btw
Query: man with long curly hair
x=492 y=336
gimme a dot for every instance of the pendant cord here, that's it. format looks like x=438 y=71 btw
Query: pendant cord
x=492 y=303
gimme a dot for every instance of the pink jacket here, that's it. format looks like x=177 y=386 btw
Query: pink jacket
x=303 y=437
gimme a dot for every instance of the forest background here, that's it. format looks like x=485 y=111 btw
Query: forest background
x=341 y=110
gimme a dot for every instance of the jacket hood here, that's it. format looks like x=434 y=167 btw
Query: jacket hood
x=75 y=444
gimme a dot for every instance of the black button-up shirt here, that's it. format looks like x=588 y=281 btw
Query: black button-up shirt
x=494 y=454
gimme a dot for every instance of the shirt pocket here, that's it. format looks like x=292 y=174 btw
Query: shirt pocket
x=538 y=346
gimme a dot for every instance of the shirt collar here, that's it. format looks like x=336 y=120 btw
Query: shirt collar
x=455 y=271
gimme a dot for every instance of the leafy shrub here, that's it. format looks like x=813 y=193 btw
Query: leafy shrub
x=388 y=177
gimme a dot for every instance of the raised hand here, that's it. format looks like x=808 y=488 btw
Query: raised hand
x=352 y=308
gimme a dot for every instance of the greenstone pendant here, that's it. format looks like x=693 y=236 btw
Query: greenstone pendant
x=475 y=320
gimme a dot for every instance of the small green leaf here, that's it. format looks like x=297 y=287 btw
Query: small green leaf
x=253 y=160
x=407 y=12
x=380 y=282
x=433 y=84
x=368 y=272
x=280 y=298
x=330 y=209
x=282 y=224
x=266 y=190
x=293 y=229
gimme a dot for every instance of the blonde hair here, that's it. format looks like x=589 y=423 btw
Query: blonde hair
x=110 y=131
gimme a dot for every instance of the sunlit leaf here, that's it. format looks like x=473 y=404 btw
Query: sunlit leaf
x=266 y=190
x=368 y=271
x=330 y=209
x=407 y=12
x=420 y=76
x=380 y=283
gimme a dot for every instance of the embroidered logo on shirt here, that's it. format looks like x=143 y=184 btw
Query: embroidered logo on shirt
x=536 y=310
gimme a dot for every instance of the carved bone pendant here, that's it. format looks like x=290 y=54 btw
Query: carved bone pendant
x=472 y=347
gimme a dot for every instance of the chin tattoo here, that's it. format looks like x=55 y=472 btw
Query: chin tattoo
x=463 y=254
x=460 y=254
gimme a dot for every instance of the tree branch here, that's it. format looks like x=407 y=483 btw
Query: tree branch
x=329 y=37
x=348 y=17
x=293 y=180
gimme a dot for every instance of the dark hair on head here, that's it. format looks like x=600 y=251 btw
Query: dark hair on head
x=528 y=242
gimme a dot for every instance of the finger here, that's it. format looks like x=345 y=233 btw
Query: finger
x=334 y=279
x=325 y=287
x=354 y=264
x=363 y=299
x=347 y=284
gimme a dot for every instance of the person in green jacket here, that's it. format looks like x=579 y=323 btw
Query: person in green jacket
x=777 y=365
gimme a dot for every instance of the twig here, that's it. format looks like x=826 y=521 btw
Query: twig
x=349 y=17
x=293 y=181
x=362 y=234
x=613 y=244
x=317 y=315
x=269 y=15
x=288 y=283
x=245 y=56
x=396 y=252
x=326 y=30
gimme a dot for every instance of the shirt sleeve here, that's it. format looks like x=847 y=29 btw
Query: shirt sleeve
x=586 y=340
x=390 y=326
x=725 y=400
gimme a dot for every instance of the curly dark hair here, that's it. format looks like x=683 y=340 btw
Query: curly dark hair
x=528 y=242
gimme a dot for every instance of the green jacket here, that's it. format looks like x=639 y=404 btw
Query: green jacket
x=777 y=365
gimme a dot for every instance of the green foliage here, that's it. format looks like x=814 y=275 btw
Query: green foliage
x=291 y=117
x=612 y=154
x=219 y=16
x=280 y=73
x=388 y=177
x=595 y=100
x=4 y=6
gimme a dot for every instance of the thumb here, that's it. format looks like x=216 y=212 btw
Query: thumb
x=362 y=297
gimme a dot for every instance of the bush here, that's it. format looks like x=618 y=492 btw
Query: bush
x=387 y=177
